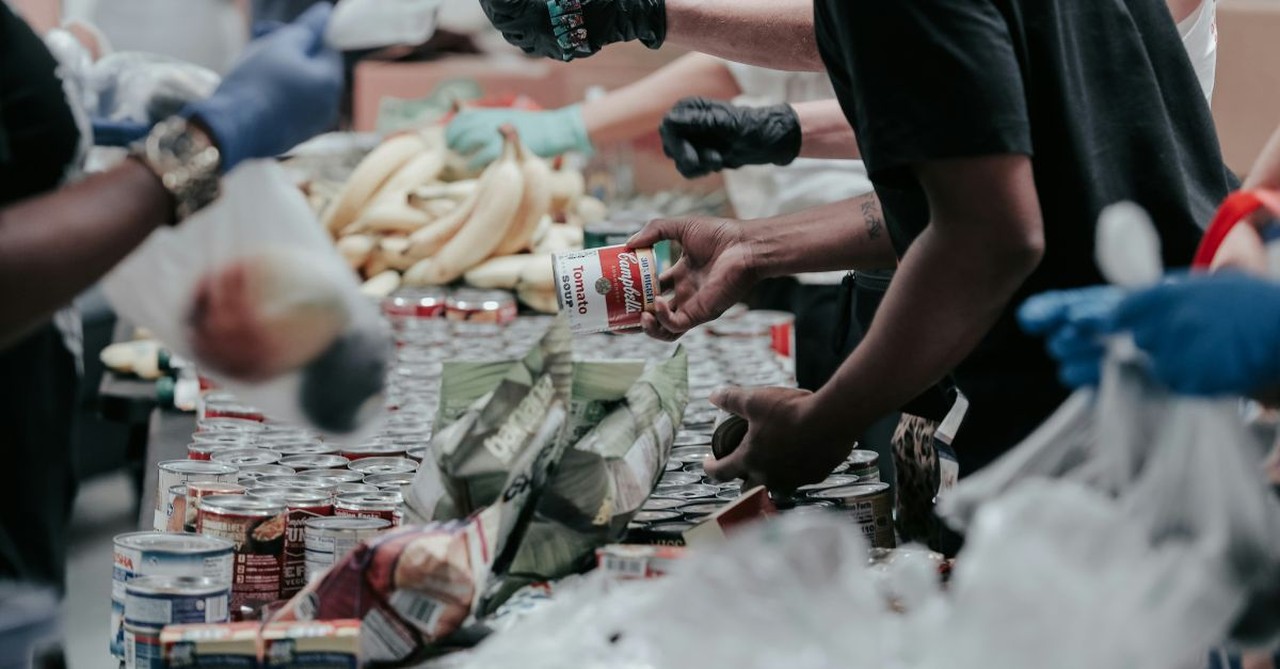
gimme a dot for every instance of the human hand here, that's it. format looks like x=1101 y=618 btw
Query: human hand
x=1075 y=323
x=567 y=29
x=284 y=91
x=474 y=132
x=714 y=273
x=705 y=136
x=790 y=442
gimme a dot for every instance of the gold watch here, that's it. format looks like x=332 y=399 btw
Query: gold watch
x=186 y=162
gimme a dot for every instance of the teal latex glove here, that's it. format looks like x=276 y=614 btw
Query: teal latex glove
x=474 y=132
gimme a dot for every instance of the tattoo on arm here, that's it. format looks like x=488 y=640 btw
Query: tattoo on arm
x=874 y=219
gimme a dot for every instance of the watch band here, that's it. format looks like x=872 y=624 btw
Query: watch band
x=186 y=163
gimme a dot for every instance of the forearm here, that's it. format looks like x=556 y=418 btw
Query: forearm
x=637 y=108
x=826 y=130
x=844 y=235
x=737 y=29
x=55 y=246
x=1266 y=170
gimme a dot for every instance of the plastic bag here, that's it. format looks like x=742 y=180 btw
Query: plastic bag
x=373 y=24
x=253 y=290
x=146 y=87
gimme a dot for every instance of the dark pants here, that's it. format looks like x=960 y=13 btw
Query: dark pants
x=37 y=399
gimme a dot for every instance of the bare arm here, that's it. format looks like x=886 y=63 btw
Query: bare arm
x=54 y=246
x=638 y=108
x=986 y=227
x=1266 y=170
x=849 y=234
x=826 y=130
x=770 y=33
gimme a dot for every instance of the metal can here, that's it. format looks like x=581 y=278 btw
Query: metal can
x=656 y=516
x=330 y=539
x=287 y=481
x=870 y=506
x=246 y=457
x=217 y=406
x=227 y=424
x=141 y=647
x=139 y=554
x=834 y=481
x=865 y=465
x=303 y=448
x=672 y=479
x=688 y=492
x=374 y=466
x=418 y=453
x=687 y=438
x=391 y=482
x=690 y=454
x=332 y=477
x=256 y=527
x=157 y=601
x=486 y=307
x=204 y=445
x=306 y=463
x=186 y=499
x=698 y=511
x=251 y=475
x=662 y=504
x=174 y=472
x=413 y=303
x=303 y=506
x=372 y=450
x=382 y=504
x=730 y=431
x=606 y=289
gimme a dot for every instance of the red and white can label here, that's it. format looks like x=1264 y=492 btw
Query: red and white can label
x=606 y=289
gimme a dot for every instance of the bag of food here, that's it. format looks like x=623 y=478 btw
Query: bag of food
x=254 y=292
x=373 y=24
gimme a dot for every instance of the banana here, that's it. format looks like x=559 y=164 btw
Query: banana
x=428 y=240
x=538 y=274
x=498 y=199
x=382 y=285
x=539 y=300
x=369 y=177
x=356 y=249
x=544 y=226
x=455 y=190
x=435 y=208
x=534 y=203
x=566 y=187
x=394 y=252
x=389 y=217
x=500 y=272
x=422 y=169
x=589 y=210
x=560 y=238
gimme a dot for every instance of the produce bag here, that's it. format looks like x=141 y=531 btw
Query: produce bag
x=252 y=289
x=373 y=24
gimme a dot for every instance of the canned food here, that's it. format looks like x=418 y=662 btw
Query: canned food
x=673 y=466
x=220 y=406
x=256 y=527
x=246 y=457
x=606 y=289
x=688 y=454
x=175 y=472
x=141 y=647
x=487 y=307
x=229 y=425
x=307 y=463
x=393 y=482
x=255 y=473
x=203 y=449
x=185 y=498
x=382 y=504
x=419 y=453
x=662 y=504
x=375 y=466
x=290 y=481
x=730 y=431
x=781 y=326
x=870 y=506
x=698 y=511
x=156 y=601
x=688 y=492
x=656 y=516
x=372 y=450
x=302 y=448
x=303 y=506
x=330 y=539
x=637 y=562
x=673 y=479
x=835 y=481
x=865 y=465
x=692 y=439
x=332 y=477
x=140 y=554
x=420 y=303
x=343 y=488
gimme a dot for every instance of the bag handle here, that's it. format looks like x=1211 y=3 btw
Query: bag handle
x=1236 y=208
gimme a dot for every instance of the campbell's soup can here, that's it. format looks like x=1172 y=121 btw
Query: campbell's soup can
x=246 y=457
x=415 y=303
x=174 y=472
x=139 y=554
x=141 y=647
x=382 y=504
x=781 y=326
x=303 y=506
x=606 y=289
x=483 y=307
x=344 y=488
x=257 y=528
x=865 y=465
x=184 y=501
x=869 y=505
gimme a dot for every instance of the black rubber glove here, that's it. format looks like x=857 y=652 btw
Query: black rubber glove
x=568 y=29
x=705 y=136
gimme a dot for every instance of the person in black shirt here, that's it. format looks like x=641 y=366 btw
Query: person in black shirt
x=57 y=241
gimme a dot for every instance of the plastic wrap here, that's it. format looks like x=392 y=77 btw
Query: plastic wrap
x=252 y=289
x=372 y=24
x=145 y=87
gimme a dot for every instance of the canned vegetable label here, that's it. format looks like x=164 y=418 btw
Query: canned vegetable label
x=157 y=601
x=330 y=539
x=606 y=289
x=257 y=528
x=870 y=506
x=303 y=507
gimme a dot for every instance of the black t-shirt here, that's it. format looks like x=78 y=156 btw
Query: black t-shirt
x=1100 y=93
x=38 y=134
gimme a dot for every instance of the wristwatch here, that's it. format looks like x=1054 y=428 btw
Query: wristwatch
x=186 y=162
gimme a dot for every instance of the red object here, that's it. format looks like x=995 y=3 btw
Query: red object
x=1236 y=208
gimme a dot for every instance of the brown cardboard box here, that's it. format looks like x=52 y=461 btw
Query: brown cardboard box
x=1246 y=99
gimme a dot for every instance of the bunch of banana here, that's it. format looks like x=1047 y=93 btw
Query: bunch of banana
x=399 y=221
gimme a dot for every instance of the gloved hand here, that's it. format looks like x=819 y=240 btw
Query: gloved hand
x=1075 y=323
x=474 y=132
x=284 y=91
x=567 y=29
x=705 y=136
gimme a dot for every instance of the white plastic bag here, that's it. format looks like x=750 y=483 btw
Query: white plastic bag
x=315 y=349
x=373 y=24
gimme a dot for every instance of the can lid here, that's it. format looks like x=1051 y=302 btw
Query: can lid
x=472 y=299
x=292 y=496
x=242 y=504
x=656 y=516
x=309 y=462
x=387 y=480
x=172 y=542
x=332 y=477
x=858 y=491
x=194 y=586
x=690 y=492
x=348 y=523
x=728 y=436
x=380 y=497
x=212 y=488
x=384 y=466
x=197 y=467
x=864 y=457
x=662 y=504
x=246 y=456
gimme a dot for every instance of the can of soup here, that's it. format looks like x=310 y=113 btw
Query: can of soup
x=867 y=504
x=307 y=463
x=606 y=289
x=370 y=450
x=246 y=457
x=390 y=482
x=415 y=303
x=256 y=527
x=204 y=445
x=332 y=477
x=865 y=465
x=330 y=539
x=140 y=554
x=302 y=448
x=303 y=506
x=249 y=476
x=184 y=501
x=157 y=601
x=382 y=504
x=374 y=466
x=343 y=488
x=486 y=307
x=175 y=472
x=141 y=646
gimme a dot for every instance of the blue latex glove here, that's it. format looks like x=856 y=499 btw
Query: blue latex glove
x=1075 y=322
x=284 y=91
x=1208 y=335
x=118 y=133
x=474 y=132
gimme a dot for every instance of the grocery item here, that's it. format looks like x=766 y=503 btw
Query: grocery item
x=246 y=457
x=249 y=476
x=415 y=303
x=156 y=601
x=302 y=506
x=327 y=643
x=375 y=449
x=291 y=448
x=184 y=501
x=204 y=445
x=870 y=506
x=257 y=528
x=383 y=505
x=310 y=463
x=370 y=176
x=606 y=290
x=373 y=466
x=391 y=482
x=175 y=472
x=626 y=562
x=330 y=539
x=226 y=645
x=865 y=465
x=487 y=307
x=142 y=648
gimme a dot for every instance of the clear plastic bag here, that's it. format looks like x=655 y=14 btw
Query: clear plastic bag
x=253 y=290
x=146 y=87
x=373 y=24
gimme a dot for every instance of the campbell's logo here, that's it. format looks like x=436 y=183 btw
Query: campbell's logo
x=632 y=300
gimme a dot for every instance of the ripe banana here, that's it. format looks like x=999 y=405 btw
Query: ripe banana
x=454 y=190
x=566 y=187
x=560 y=238
x=369 y=177
x=356 y=249
x=539 y=300
x=429 y=240
x=538 y=274
x=394 y=252
x=534 y=203
x=499 y=195
x=500 y=272
x=423 y=169
x=589 y=210
x=389 y=217
x=381 y=285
